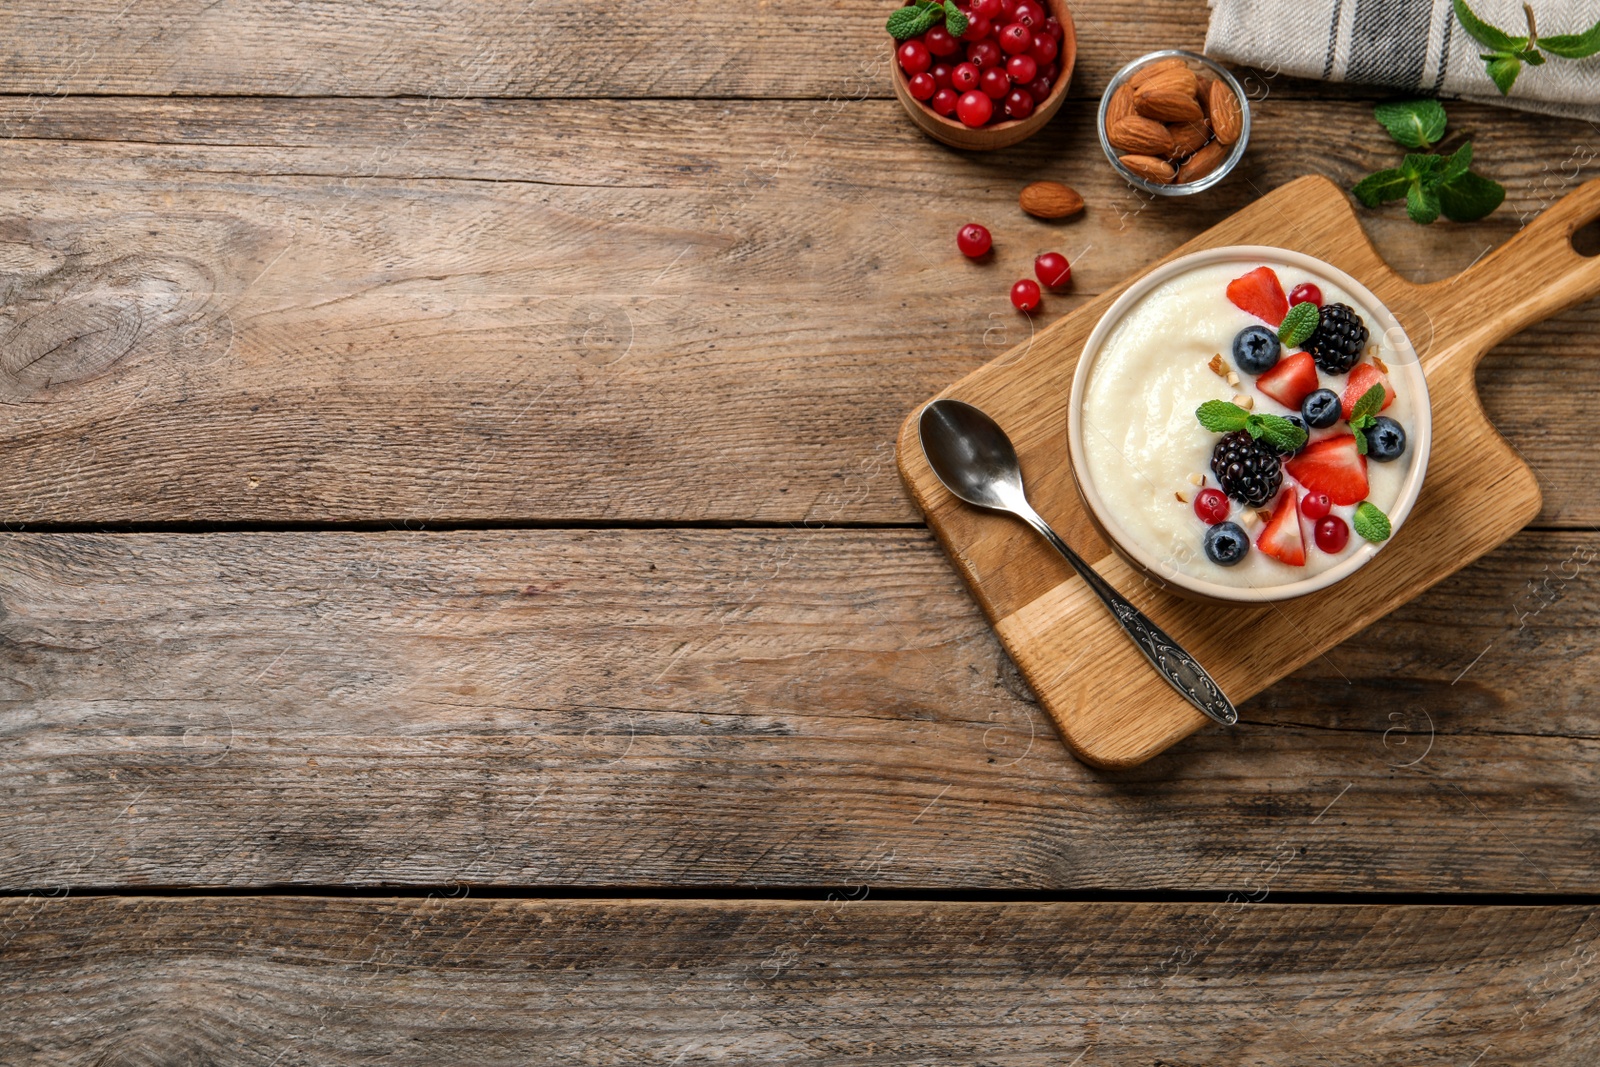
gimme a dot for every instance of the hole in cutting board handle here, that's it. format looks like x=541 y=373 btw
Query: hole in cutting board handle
x=1586 y=239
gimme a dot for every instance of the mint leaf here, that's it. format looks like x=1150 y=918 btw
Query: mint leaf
x=1382 y=187
x=1371 y=523
x=955 y=20
x=1470 y=197
x=1299 y=324
x=1368 y=404
x=1422 y=202
x=1361 y=441
x=1413 y=123
x=1485 y=34
x=1222 y=416
x=1457 y=164
x=1573 y=45
x=1420 y=166
x=1277 y=431
x=907 y=22
x=1503 y=71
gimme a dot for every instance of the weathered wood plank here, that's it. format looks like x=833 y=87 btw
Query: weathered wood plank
x=737 y=707
x=321 y=311
x=125 y=982
x=508 y=48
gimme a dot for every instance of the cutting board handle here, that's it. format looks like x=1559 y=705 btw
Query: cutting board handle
x=1536 y=274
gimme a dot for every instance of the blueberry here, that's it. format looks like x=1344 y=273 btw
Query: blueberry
x=1320 y=409
x=1255 y=350
x=1386 y=439
x=1226 y=543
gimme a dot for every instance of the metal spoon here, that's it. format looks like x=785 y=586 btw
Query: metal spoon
x=975 y=460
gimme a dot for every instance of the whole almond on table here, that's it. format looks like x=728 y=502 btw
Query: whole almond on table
x=1201 y=163
x=1050 y=200
x=1149 y=168
x=1139 y=136
x=1187 y=138
x=1227 y=122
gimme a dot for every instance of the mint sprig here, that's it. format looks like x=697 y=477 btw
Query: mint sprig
x=1299 y=324
x=1508 y=52
x=1364 y=412
x=955 y=20
x=1431 y=184
x=1371 y=523
x=1224 y=416
x=923 y=15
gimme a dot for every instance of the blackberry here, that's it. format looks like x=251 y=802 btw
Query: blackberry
x=1248 y=470
x=1338 y=340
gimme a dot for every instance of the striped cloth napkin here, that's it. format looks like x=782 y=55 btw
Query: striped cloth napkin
x=1415 y=46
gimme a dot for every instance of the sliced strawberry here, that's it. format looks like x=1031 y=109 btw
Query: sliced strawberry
x=1333 y=466
x=1283 y=538
x=1364 y=376
x=1261 y=294
x=1291 y=381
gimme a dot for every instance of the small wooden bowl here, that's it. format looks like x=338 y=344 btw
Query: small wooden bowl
x=999 y=134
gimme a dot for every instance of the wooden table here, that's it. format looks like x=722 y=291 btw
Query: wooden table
x=459 y=605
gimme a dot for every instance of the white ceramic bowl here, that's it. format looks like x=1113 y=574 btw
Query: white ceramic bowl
x=1405 y=371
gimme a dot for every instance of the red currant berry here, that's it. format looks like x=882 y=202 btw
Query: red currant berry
x=974 y=109
x=1025 y=295
x=1315 y=505
x=1044 y=49
x=977 y=29
x=1029 y=14
x=923 y=86
x=994 y=83
x=1211 y=505
x=984 y=54
x=914 y=57
x=965 y=77
x=1019 y=103
x=1303 y=292
x=1013 y=38
x=1022 y=69
x=973 y=239
x=1053 y=269
x=944 y=102
x=1039 y=89
x=985 y=9
x=1052 y=26
x=939 y=42
x=1332 y=534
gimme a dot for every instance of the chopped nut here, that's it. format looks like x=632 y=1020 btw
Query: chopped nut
x=1218 y=367
x=1196 y=479
x=1246 y=402
x=1183 y=498
x=1264 y=515
x=1233 y=379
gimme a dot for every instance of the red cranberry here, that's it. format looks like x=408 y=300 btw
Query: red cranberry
x=1025 y=295
x=1039 y=89
x=994 y=82
x=1315 y=505
x=1044 y=49
x=1051 y=70
x=1052 y=26
x=973 y=239
x=1053 y=269
x=1022 y=69
x=914 y=57
x=1019 y=103
x=984 y=54
x=939 y=42
x=985 y=9
x=1008 y=10
x=1029 y=14
x=944 y=102
x=974 y=108
x=965 y=77
x=1013 y=38
x=977 y=29
x=1211 y=505
x=1332 y=534
x=923 y=86
x=1305 y=291
x=941 y=74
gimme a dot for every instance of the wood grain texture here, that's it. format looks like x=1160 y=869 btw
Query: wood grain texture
x=1110 y=707
x=522 y=311
x=288 y=981
x=752 y=708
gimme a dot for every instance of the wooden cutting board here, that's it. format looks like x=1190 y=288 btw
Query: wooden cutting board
x=1111 y=708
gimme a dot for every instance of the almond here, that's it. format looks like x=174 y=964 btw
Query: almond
x=1167 y=106
x=1120 y=106
x=1187 y=138
x=1150 y=70
x=1202 y=88
x=1227 y=122
x=1201 y=163
x=1140 y=136
x=1149 y=168
x=1050 y=200
x=1179 y=79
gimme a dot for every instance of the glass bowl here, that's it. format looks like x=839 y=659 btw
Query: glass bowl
x=1210 y=67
